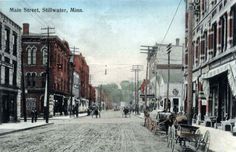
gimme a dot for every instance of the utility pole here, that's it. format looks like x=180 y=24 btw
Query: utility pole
x=168 y=77
x=48 y=71
x=150 y=51
x=72 y=82
x=190 y=63
x=136 y=69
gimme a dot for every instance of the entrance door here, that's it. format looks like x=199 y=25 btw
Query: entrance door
x=176 y=105
x=6 y=112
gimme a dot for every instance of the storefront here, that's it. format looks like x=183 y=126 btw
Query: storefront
x=219 y=89
x=9 y=106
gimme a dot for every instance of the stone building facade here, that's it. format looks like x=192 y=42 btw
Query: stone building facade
x=10 y=70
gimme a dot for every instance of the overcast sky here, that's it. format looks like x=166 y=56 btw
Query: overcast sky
x=107 y=32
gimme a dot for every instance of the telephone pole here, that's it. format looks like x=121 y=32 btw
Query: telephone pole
x=190 y=63
x=136 y=69
x=46 y=107
x=168 y=77
x=150 y=51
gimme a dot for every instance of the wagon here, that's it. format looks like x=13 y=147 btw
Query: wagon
x=126 y=112
x=183 y=134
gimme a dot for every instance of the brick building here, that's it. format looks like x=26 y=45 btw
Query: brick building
x=214 y=51
x=10 y=70
x=34 y=49
x=82 y=69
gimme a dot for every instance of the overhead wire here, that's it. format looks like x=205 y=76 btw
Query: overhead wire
x=171 y=22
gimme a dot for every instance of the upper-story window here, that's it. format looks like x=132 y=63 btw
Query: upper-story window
x=234 y=25
x=0 y=36
x=7 y=40
x=14 y=72
x=45 y=55
x=28 y=79
x=14 y=38
x=32 y=55
x=33 y=79
x=43 y=77
x=7 y=70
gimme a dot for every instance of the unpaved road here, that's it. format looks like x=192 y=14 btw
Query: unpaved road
x=111 y=133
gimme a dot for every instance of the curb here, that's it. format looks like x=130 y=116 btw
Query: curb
x=23 y=129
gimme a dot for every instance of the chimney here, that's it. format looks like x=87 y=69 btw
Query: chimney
x=177 y=41
x=26 y=28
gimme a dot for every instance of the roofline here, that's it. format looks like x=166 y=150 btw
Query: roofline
x=1 y=13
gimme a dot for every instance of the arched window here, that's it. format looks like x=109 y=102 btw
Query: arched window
x=28 y=49
x=45 y=55
x=43 y=78
x=28 y=79
x=31 y=55
x=33 y=79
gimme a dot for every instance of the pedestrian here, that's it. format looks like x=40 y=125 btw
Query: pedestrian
x=35 y=115
x=32 y=115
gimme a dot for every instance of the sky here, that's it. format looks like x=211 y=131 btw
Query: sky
x=108 y=33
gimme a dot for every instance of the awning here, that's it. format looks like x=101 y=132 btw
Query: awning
x=215 y=71
x=232 y=78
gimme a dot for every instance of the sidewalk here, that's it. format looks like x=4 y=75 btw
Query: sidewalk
x=7 y=128
x=220 y=141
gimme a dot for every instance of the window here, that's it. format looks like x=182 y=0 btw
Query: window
x=33 y=79
x=7 y=75
x=234 y=25
x=45 y=55
x=7 y=40
x=214 y=39
x=31 y=55
x=0 y=36
x=28 y=79
x=14 y=44
x=14 y=72
x=43 y=79
x=205 y=45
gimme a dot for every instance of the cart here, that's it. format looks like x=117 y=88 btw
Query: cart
x=126 y=112
x=184 y=134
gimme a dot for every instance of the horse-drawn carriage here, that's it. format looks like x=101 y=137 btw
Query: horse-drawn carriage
x=184 y=133
x=126 y=112
x=96 y=112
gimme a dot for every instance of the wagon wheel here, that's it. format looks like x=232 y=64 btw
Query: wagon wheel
x=197 y=142
x=169 y=137
x=173 y=141
x=206 y=140
x=204 y=143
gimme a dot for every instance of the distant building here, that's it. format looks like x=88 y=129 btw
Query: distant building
x=34 y=49
x=158 y=77
x=10 y=70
